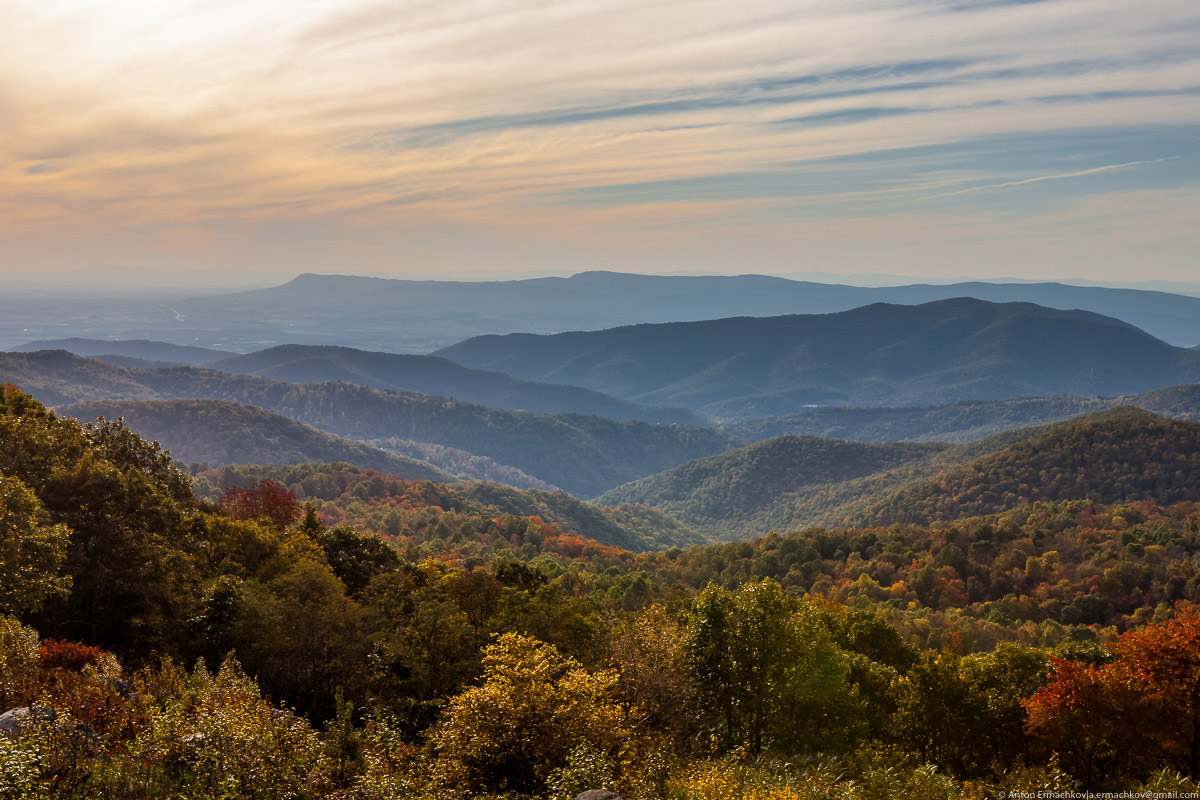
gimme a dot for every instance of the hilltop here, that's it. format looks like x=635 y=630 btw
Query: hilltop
x=141 y=349
x=1116 y=456
x=1119 y=456
x=432 y=375
x=749 y=367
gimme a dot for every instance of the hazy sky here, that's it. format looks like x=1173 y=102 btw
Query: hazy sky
x=922 y=137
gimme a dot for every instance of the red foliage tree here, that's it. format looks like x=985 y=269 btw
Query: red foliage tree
x=1164 y=662
x=1142 y=707
x=268 y=500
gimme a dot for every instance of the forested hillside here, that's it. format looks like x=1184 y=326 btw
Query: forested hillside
x=1121 y=455
x=584 y=455
x=730 y=492
x=441 y=377
x=451 y=654
x=745 y=368
x=219 y=432
x=457 y=514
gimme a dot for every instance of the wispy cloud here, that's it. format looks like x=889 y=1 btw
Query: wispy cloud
x=1058 y=177
x=208 y=127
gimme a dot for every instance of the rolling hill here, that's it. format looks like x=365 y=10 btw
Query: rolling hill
x=584 y=455
x=367 y=499
x=141 y=349
x=220 y=432
x=745 y=368
x=730 y=491
x=1120 y=455
x=439 y=376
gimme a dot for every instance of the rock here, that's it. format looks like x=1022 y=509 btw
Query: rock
x=598 y=794
x=12 y=721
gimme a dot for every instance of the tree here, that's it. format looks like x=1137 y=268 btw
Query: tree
x=770 y=677
x=1164 y=661
x=647 y=651
x=1124 y=714
x=32 y=550
x=1093 y=720
x=534 y=707
x=268 y=500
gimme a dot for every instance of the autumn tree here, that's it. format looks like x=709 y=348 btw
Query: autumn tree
x=269 y=500
x=1164 y=662
x=534 y=707
x=1138 y=709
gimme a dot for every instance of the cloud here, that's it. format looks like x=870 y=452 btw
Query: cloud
x=1060 y=176
x=209 y=119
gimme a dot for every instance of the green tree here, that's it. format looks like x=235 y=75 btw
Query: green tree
x=32 y=550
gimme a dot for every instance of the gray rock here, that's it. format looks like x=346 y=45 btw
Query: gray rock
x=12 y=721
x=598 y=794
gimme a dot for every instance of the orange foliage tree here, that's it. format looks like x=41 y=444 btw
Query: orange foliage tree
x=1140 y=709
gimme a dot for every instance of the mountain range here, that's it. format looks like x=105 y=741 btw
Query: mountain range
x=430 y=375
x=219 y=432
x=140 y=349
x=422 y=316
x=433 y=375
x=750 y=367
x=584 y=455
x=452 y=310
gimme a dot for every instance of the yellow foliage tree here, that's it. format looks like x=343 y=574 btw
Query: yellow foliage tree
x=534 y=707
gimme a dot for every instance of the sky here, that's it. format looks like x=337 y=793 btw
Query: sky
x=248 y=141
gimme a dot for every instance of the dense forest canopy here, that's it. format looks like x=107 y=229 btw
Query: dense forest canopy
x=1120 y=455
x=407 y=639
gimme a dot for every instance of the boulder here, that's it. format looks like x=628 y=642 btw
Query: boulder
x=13 y=720
x=598 y=794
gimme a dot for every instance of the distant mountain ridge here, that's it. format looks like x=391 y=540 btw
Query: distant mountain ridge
x=412 y=316
x=441 y=377
x=584 y=455
x=750 y=367
x=142 y=349
x=604 y=299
